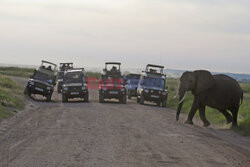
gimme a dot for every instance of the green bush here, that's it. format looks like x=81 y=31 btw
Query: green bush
x=16 y=71
x=10 y=96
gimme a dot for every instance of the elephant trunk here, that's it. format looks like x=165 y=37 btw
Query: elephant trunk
x=182 y=95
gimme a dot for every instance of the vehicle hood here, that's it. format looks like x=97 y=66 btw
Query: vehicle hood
x=154 y=88
x=73 y=84
x=131 y=86
x=42 y=82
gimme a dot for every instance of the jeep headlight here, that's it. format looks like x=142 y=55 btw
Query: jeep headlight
x=60 y=80
x=84 y=88
x=122 y=89
x=65 y=88
x=50 y=81
x=146 y=91
x=164 y=93
x=32 y=83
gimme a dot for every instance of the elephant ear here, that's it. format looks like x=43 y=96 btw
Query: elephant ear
x=204 y=81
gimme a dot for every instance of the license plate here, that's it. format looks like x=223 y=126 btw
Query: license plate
x=154 y=96
x=39 y=89
x=113 y=92
x=74 y=93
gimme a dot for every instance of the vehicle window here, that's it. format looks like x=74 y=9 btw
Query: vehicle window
x=133 y=80
x=113 y=80
x=73 y=78
x=154 y=83
x=42 y=76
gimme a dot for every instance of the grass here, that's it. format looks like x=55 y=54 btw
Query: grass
x=11 y=96
x=16 y=71
x=213 y=115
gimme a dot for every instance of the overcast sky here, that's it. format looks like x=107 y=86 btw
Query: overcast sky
x=180 y=34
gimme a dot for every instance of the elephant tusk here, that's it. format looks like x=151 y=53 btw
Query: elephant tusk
x=176 y=95
x=183 y=98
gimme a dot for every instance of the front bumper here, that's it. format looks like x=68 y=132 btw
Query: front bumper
x=41 y=89
x=112 y=93
x=154 y=95
x=75 y=93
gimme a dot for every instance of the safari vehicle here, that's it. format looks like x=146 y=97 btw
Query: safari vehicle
x=132 y=81
x=62 y=68
x=152 y=86
x=75 y=85
x=43 y=80
x=113 y=83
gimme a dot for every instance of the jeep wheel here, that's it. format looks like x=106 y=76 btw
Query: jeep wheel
x=59 y=90
x=164 y=103
x=138 y=100
x=64 y=98
x=129 y=96
x=158 y=103
x=142 y=99
x=27 y=91
x=48 y=98
x=123 y=99
x=101 y=99
x=86 y=97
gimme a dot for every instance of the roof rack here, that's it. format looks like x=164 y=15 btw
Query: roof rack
x=117 y=63
x=43 y=61
x=72 y=69
x=153 y=65
x=150 y=70
x=67 y=63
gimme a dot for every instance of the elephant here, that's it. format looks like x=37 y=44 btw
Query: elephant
x=216 y=91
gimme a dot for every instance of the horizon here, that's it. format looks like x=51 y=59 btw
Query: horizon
x=99 y=69
x=182 y=35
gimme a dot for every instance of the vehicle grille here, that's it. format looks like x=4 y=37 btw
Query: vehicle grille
x=75 y=88
x=154 y=92
x=40 y=85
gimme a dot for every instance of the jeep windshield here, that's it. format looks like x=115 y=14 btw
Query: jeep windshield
x=153 y=83
x=113 y=80
x=134 y=80
x=42 y=77
x=74 y=78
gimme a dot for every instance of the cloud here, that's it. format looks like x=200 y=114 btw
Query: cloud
x=177 y=33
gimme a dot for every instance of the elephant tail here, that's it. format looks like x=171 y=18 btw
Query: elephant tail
x=241 y=98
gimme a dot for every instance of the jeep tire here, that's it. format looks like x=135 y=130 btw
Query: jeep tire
x=59 y=89
x=48 y=97
x=101 y=99
x=27 y=91
x=86 y=97
x=164 y=103
x=64 y=98
x=123 y=99
x=142 y=99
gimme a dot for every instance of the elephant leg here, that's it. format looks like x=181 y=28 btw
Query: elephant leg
x=227 y=115
x=206 y=123
x=192 y=111
x=235 y=114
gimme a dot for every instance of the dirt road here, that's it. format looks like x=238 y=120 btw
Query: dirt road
x=113 y=135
